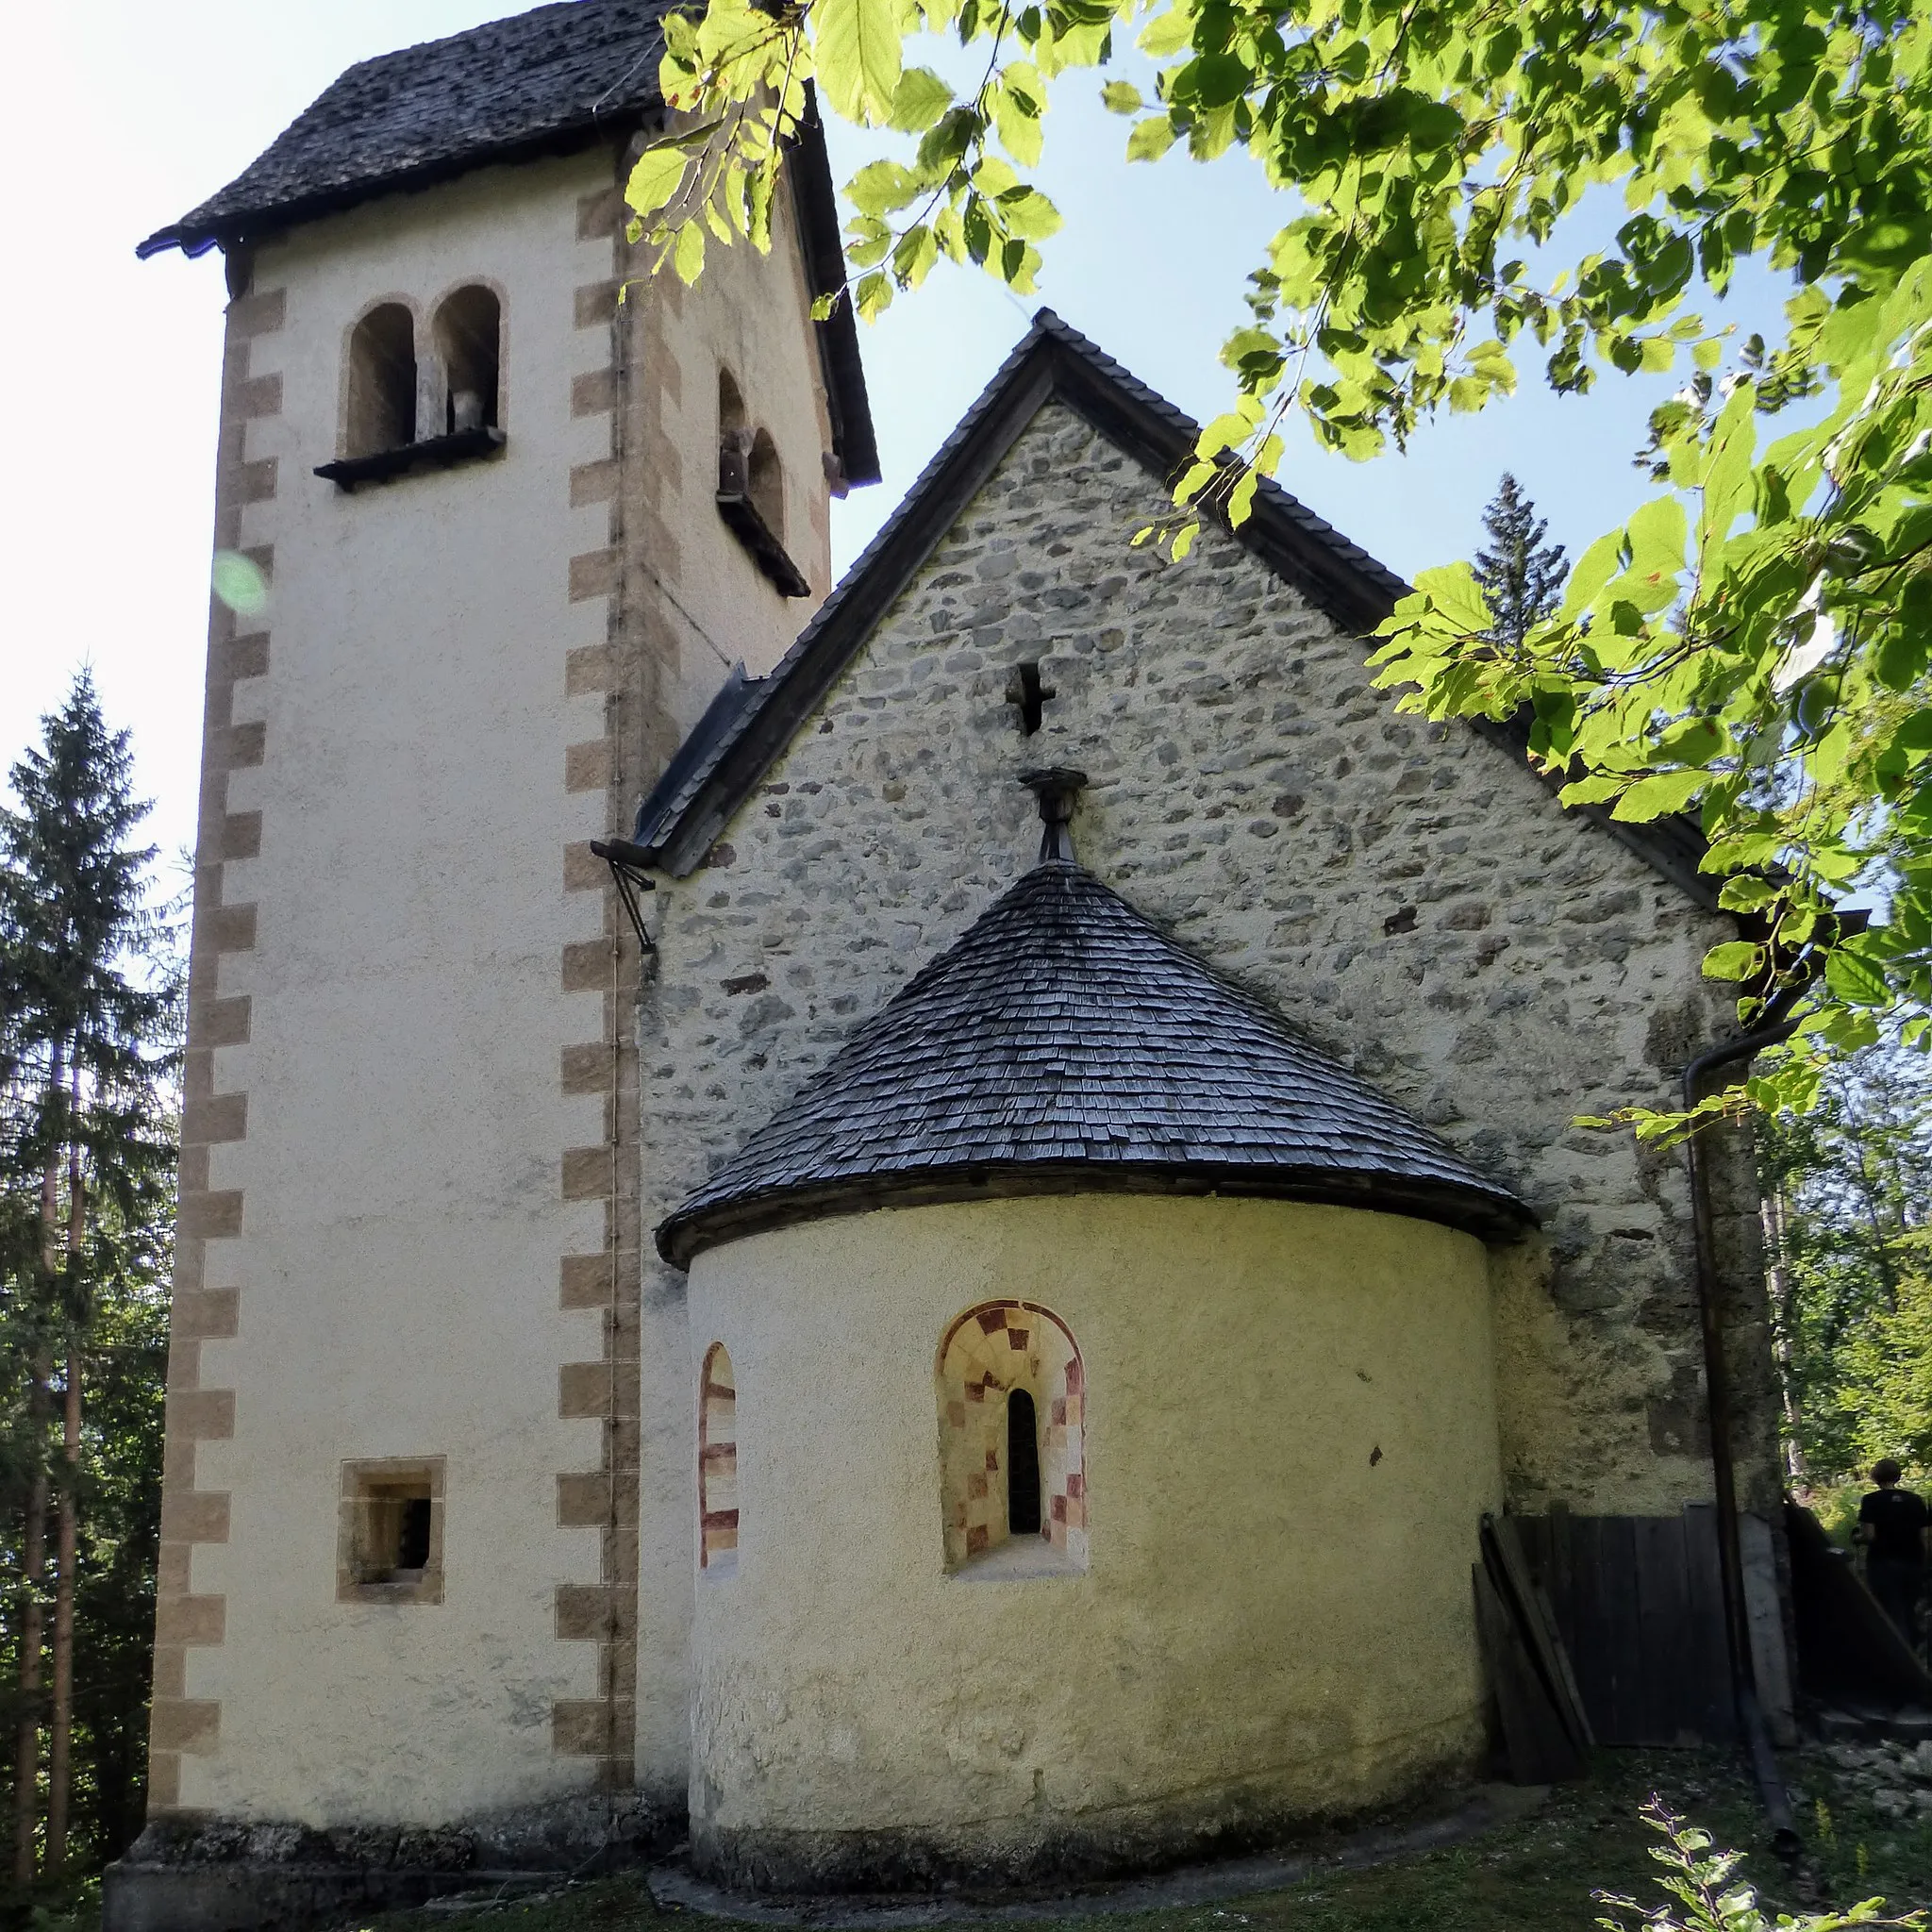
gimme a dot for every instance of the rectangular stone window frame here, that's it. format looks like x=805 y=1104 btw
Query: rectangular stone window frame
x=369 y=1529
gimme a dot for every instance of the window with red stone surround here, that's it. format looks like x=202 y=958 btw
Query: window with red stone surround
x=987 y=1353
x=718 y=1517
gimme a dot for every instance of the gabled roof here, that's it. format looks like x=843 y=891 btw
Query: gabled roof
x=687 y=810
x=551 y=81
x=1066 y=1044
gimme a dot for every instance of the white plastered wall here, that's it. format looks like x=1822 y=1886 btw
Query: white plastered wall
x=1290 y=1435
x=404 y=1218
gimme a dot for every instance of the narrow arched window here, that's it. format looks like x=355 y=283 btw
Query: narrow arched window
x=1012 y=1396
x=717 y=1516
x=734 y=438
x=765 y=484
x=1023 y=1465
x=469 y=344
x=382 y=381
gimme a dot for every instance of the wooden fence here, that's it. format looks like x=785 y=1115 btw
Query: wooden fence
x=1639 y=1602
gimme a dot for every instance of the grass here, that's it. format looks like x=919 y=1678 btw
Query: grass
x=1540 y=1872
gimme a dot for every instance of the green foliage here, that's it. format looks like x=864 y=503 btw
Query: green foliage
x=1707 y=1894
x=1849 y=1189
x=90 y=1007
x=1753 y=644
x=1520 y=573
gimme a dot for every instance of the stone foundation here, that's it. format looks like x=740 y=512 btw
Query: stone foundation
x=188 y=1875
x=1008 y=1856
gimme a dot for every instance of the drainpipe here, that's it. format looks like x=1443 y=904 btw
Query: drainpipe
x=1770 y=1786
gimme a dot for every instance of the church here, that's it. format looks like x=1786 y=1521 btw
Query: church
x=901 y=1227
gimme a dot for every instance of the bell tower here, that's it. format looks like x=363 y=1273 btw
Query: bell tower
x=512 y=518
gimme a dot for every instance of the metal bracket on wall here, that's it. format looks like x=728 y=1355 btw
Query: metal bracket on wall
x=628 y=863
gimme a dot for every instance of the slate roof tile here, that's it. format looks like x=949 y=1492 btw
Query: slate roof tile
x=550 y=81
x=1066 y=1041
x=427 y=111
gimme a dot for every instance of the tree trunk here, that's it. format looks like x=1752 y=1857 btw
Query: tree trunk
x=33 y=1565
x=1778 y=1280
x=60 y=1733
x=26 y=1758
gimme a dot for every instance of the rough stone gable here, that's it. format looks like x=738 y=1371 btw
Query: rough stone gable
x=1409 y=897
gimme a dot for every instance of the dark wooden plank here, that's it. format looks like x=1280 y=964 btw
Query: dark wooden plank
x=1581 y=1729
x=1591 y=1648
x=1710 y=1654
x=1557 y=1578
x=1614 y=1587
x=1523 y=1600
x=1534 y=1739
x=1667 y=1691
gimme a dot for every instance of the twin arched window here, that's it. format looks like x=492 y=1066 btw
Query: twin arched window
x=748 y=464
x=395 y=401
x=1012 y=1394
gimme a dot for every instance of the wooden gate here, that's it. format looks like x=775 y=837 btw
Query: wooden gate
x=1639 y=1601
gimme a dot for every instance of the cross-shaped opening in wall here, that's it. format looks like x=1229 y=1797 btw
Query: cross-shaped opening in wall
x=1026 y=692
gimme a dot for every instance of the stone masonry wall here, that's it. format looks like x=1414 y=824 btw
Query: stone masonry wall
x=1410 y=896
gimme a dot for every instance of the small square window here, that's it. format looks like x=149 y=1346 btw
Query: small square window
x=389 y=1545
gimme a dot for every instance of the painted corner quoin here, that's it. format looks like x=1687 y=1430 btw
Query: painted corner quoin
x=604 y=1498
x=206 y=1308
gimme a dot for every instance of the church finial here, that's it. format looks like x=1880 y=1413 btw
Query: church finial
x=1056 y=788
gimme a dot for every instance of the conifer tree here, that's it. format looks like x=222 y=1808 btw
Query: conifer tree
x=1521 y=574
x=87 y=1098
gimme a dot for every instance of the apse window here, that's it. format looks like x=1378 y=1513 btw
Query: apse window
x=718 y=1512
x=1013 y=1395
x=389 y=1533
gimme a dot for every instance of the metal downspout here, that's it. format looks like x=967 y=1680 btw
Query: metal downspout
x=1770 y=1786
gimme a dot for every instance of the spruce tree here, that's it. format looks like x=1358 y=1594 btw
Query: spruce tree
x=1521 y=574
x=88 y=1032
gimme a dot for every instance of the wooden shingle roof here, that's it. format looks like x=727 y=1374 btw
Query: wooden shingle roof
x=1066 y=1044
x=554 y=80
x=539 y=80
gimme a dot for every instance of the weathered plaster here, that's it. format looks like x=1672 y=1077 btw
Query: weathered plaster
x=1290 y=1438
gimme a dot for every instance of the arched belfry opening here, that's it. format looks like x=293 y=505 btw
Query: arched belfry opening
x=1012 y=1435
x=733 y=427
x=382 y=381
x=468 y=346
x=751 y=490
x=765 y=484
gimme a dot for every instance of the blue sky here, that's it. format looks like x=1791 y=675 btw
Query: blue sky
x=121 y=115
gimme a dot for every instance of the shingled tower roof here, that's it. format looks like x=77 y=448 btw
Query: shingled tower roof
x=552 y=81
x=1066 y=1044
x=545 y=81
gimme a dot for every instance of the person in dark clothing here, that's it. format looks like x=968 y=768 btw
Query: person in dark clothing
x=1891 y=1525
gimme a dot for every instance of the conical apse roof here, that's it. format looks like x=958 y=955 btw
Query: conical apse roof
x=1065 y=1044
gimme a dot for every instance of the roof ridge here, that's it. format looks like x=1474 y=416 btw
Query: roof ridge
x=1054 y=361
